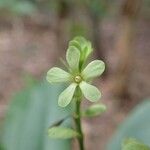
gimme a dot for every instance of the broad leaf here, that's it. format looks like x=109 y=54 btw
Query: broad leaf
x=137 y=125
x=62 y=133
x=29 y=116
x=132 y=144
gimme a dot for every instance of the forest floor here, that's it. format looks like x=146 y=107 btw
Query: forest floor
x=32 y=51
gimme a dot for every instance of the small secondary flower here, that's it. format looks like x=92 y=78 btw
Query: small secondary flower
x=78 y=76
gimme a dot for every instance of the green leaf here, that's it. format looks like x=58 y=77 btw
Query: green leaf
x=94 y=110
x=62 y=133
x=29 y=116
x=90 y=92
x=55 y=75
x=137 y=125
x=93 y=69
x=66 y=96
x=133 y=144
x=73 y=58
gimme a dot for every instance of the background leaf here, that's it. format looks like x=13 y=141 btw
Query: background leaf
x=137 y=125
x=132 y=144
x=30 y=114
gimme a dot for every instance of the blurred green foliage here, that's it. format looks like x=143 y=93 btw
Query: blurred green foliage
x=29 y=116
x=133 y=144
x=17 y=7
x=77 y=29
x=137 y=125
x=98 y=8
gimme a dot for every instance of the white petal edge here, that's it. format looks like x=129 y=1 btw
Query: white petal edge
x=66 y=96
x=55 y=75
x=90 y=92
x=93 y=69
x=73 y=57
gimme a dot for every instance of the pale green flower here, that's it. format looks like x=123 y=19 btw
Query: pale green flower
x=78 y=76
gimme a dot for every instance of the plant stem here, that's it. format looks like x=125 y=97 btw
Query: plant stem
x=78 y=123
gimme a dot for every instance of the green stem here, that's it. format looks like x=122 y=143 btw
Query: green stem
x=78 y=123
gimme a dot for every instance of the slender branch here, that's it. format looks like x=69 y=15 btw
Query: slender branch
x=78 y=121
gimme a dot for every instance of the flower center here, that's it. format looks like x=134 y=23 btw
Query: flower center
x=78 y=79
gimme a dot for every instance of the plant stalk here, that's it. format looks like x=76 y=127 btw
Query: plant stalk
x=78 y=123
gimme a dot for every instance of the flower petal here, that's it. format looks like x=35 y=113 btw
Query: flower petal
x=90 y=92
x=93 y=69
x=73 y=57
x=55 y=75
x=66 y=96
